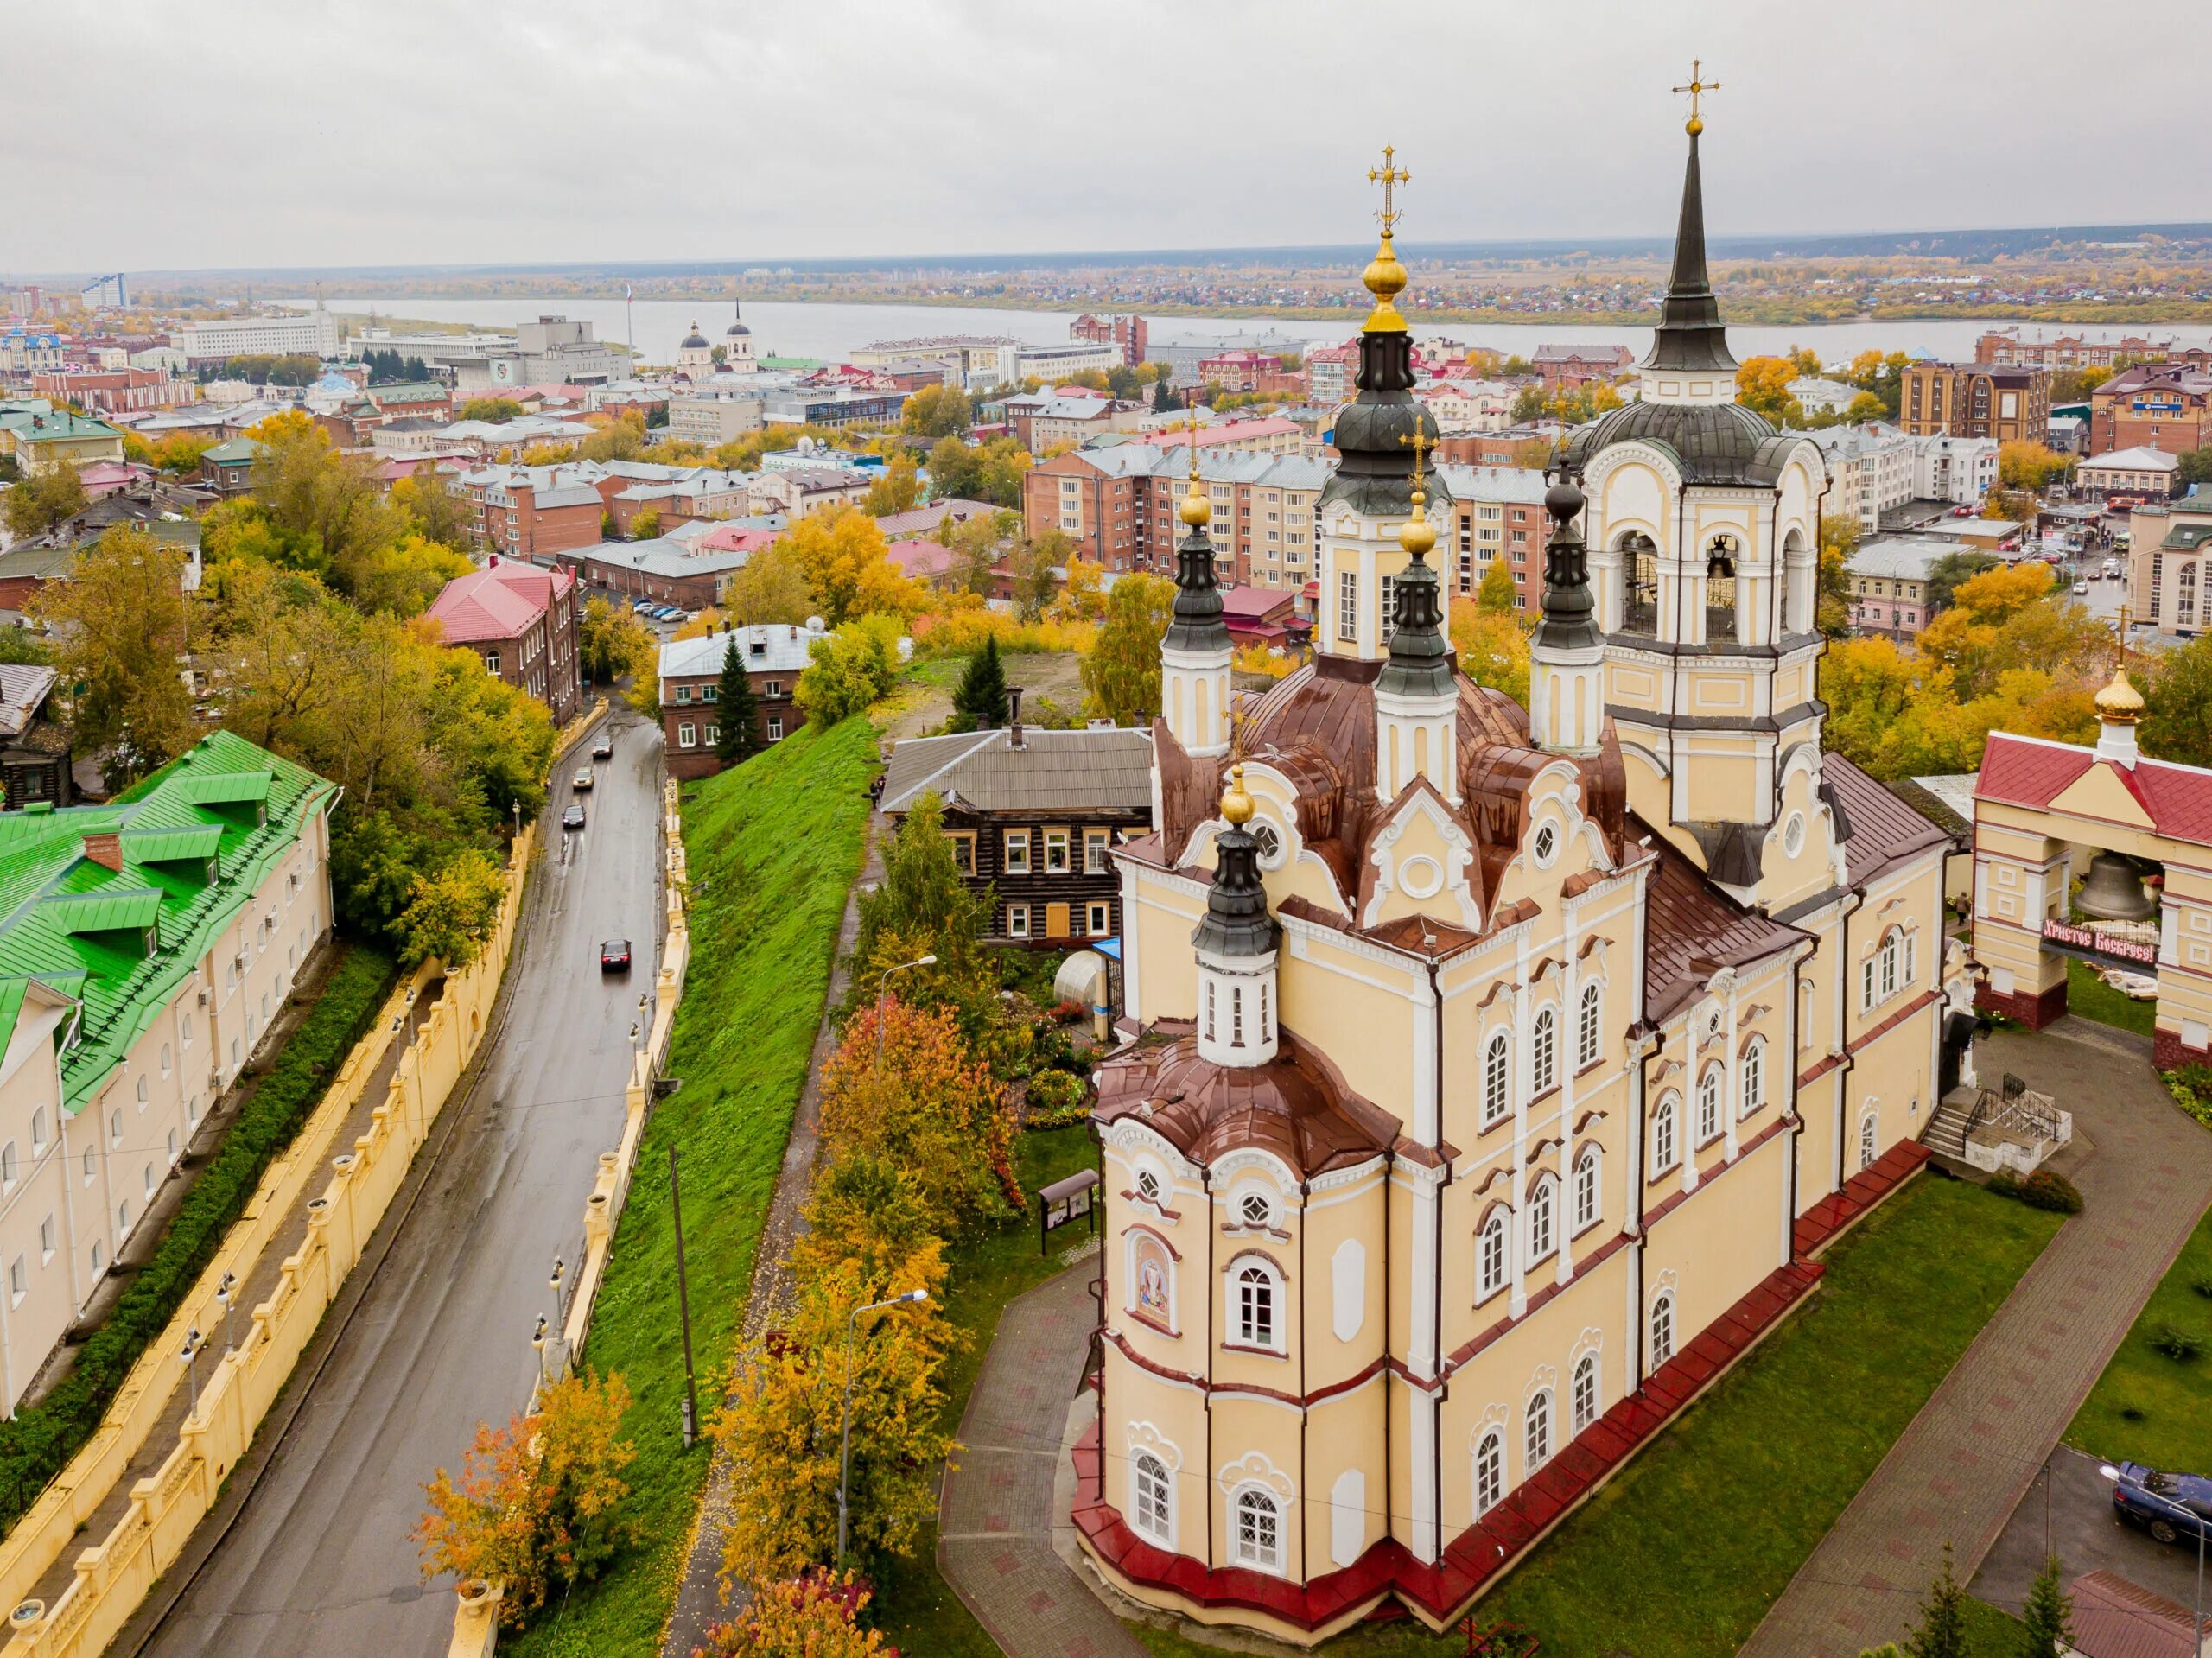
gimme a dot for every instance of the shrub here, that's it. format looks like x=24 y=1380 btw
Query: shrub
x=814 y=1616
x=2131 y=1408
x=2047 y=1189
x=2203 y=1285
x=37 y=1442
x=2178 y=1342
x=2191 y=1087
x=537 y=1504
x=1056 y=1098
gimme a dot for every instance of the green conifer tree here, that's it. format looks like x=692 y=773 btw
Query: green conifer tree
x=734 y=738
x=980 y=701
x=1942 y=1631
x=2049 y=1615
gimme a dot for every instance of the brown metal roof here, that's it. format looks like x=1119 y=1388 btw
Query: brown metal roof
x=1885 y=830
x=1693 y=929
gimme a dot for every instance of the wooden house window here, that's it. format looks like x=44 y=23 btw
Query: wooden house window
x=1094 y=842
x=964 y=851
x=1017 y=852
x=1056 y=852
x=1017 y=921
x=1099 y=920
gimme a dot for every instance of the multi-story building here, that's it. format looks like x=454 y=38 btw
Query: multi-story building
x=1051 y=364
x=1975 y=400
x=41 y=437
x=1033 y=818
x=530 y=512
x=665 y=570
x=149 y=949
x=978 y=361
x=1887 y=579
x=1272 y=435
x=1870 y=469
x=1329 y=372
x=1128 y=334
x=116 y=391
x=1564 y=368
x=2153 y=407
x=774 y=655
x=1496 y=513
x=1184 y=353
x=2128 y=477
x=550 y=351
x=1958 y=470
x=2007 y=347
x=1470 y=405
x=714 y=417
x=522 y=619
x=1490 y=1073
x=831 y=406
x=796 y=493
x=297 y=333
x=2170 y=567
x=1117 y=505
x=1050 y=420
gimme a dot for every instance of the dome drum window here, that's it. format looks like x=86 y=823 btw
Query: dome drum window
x=1720 y=588
x=1640 y=587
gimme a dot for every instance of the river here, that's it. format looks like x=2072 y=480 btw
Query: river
x=832 y=330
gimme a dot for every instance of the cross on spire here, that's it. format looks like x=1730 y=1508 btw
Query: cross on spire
x=1191 y=426
x=1697 y=85
x=1420 y=443
x=1388 y=177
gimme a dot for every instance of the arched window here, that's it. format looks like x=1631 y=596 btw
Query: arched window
x=1585 y=1041
x=1490 y=1472
x=1720 y=588
x=1543 y=1053
x=1585 y=1189
x=1754 y=1077
x=1892 y=961
x=1585 y=1393
x=1663 y=1134
x=1869 y=1130
x=1155 y=1500
x=1536 y=1433
x=1709 y=1103
x=1236 y=1016
x=1639 y=586
x=1210 y=1010
x=1662 y=1331
x=1254 y=1312
x=1497 y=1079
x=1541 y=1229
x=1491 y=1266
x=1258 y=1530
x=8 y=1164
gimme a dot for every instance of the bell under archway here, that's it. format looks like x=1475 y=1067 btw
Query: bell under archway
x=2112 y=891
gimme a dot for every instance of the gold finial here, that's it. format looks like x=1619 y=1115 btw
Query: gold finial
x=2121 y=704
x=1697 y=85
x=1196 y=509
x=1236 y=806
x=1385 y=277
x=1417 y=535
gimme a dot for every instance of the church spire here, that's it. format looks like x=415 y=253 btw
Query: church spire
x=1195 y=653
x=1690 y=337
x=1419 y=664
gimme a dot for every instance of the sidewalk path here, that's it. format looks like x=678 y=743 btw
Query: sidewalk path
x=1959 y=1471
x=698 y=1597
x=995 y=1521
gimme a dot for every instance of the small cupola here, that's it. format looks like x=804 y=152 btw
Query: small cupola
x=1195 y=653
x=1566 y=653
x=1416 y=696
x=1237 y=941
x=2119 y=705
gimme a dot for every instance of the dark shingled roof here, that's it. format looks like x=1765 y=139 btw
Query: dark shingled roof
x=1712 y=443
x=1693 y=929
x=1297 y=1105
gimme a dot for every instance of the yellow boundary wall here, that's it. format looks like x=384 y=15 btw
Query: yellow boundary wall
x=113 y=1576
x=476 y=1613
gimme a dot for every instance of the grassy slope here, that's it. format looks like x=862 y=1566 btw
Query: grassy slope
x=774 y=846
x=916 y=1608
x=2174 y=1425
x=1757 y=1472
x=2091 y=998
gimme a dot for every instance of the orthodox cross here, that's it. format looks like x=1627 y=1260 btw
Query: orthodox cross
x=2121 y=660
x=1421 y=443
x=1192 y=426
x=1388 y=177
x=1697 y=85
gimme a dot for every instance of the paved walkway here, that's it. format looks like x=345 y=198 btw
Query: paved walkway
x=1960 y=1467
x=699 y=1596
x=995 y=1519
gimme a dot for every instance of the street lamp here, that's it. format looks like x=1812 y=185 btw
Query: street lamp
x=224 y=1292
x=537 y=1345
x=190 y=1356
x=882 y=979
x=2201 y=1523
x=845 y=1451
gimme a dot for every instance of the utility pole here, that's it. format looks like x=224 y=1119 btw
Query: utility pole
x=684 y=1307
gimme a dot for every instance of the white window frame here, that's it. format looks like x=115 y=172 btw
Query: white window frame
x=1536 y=1437
x=1869 y=1136
x=1489 y=1485
x=1543 y=1218
x=1497 y=1079
x=1752 y=1079
x=1543 y=1053
x=1710 y=1088
x=1016 y=842
x=1255 y=1274
x=1493 y=1256
x=1056 y=840
x=1017 y=921
x=687 y=736
x=1256 y=1500
x=1589 y=1038
x=1152 y=1499
x=1348 y=605
x=1659 y=1330
x=1589 y=1188
x=1588 y=1407
x=1098 y=919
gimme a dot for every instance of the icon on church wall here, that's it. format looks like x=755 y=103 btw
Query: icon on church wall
x=1149 y=1256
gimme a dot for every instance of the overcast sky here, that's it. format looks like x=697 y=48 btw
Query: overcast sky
x=296 y=132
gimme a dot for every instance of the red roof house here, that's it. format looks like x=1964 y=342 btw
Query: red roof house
x=522 y=620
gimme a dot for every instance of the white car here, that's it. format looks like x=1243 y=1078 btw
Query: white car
x=2080 y=588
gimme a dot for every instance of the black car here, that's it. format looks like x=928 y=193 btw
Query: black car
x=604 y=748
x=614 y=955
x=573 y=818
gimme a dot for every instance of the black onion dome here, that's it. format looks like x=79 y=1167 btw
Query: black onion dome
x=1197 y=624
x=1570 y=621
x=1711 y=442
x=695 y=340
x=737 y=330
x=1236 y=922
x=1374 y=434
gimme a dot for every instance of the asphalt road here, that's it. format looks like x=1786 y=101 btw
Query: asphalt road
x=2077 y=1510
x=320 y=1561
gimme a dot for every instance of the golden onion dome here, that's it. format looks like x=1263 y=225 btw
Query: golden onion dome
x=2120 y=702
x=1417 y=535
x=1386 y=279
x=1196 y=510
x=1237 y=806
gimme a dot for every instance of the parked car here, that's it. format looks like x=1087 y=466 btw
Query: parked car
x=643 y=606
x=668 y=614
x=604 y=748
x=573 y=819
x=2080 y=587
x=614 y=955
x=2169 y=1506
x=582 y=780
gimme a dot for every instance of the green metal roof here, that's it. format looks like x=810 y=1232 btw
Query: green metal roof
x=2186 y=537
x=60 y=911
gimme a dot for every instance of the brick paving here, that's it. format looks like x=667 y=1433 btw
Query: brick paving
x=699 y=1598
x=994 y=1518
x=1958 y=1469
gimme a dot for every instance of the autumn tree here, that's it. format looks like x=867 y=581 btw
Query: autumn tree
x=537 y=1506
x=937 y=411
x=2177 y=720
x=452 y=911
x=1838 y=539
x=613 y=642
x=44 y=501
x=621 y=439
x=1946 y=573
x=990 y=472
x=438 y=514
x=120 y=623
x=1120 y=671
x=326 y=507
x=895 y=489
x=1499 y=591
x=976 y=545
x=1493 y=648
x=2029 y=466
x=646 y=526
x=1082 y=591
x=842 y=553
x=735 y=711
x=1035 y=568
x=980 y=700
x=774 y=585
x=816 y=1616
x=1763 y=385
x=496 y=410
x=851 y=670
x=179 y=453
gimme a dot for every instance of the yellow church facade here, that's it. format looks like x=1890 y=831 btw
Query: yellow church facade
x=1491 y=1073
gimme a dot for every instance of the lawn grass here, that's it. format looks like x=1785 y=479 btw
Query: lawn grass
x=2172 y=1398
x=1681 y=1554
x=2091 y=998
x=774 y=845
x=915 y=1607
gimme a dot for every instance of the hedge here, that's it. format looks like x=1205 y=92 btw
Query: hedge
x=37 y=1444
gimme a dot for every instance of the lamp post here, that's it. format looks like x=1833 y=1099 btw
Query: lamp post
x=683 y=1309
x=2198 y=1521
x=845 y=1437
x=882 y=979
x=191 y=1357
x=537 y=1345
x=225 y=1293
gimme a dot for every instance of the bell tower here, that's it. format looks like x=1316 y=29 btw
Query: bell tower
x=1194 y=656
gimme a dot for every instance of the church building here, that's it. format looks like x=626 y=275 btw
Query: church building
x=1491 y=1074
